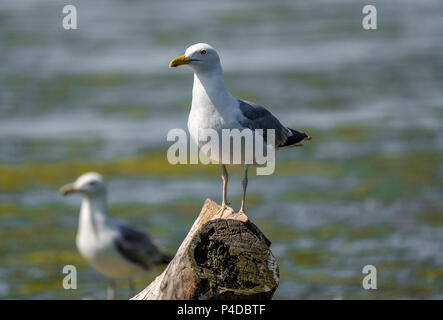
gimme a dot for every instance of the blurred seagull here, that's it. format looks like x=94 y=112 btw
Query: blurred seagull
x=213 y=107
x=115 y=250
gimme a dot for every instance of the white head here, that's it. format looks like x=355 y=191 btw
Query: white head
x=90 y=184
x=200 y=57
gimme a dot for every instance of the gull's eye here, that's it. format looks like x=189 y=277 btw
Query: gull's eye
x=203 y=52
x=92 y=183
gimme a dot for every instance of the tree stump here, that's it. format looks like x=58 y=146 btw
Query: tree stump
x=224 y=256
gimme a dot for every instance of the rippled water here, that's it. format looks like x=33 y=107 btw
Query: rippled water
x=366 y=190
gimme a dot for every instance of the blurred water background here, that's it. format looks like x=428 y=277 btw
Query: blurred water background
x=366 y=190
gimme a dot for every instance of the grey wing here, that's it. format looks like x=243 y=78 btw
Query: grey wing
x=258 y=117
x=138 y=248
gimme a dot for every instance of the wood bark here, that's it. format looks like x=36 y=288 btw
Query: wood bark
x=224 y=256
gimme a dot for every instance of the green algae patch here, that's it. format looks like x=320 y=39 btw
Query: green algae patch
x=391 y=264
x=314 y=80
x=277 y=232
x=431 y=217
x=330 y=103
x=133 y=112
x=36 y=174
x=310 y=195
x=22 y=38
x=384 y=177
x=252 y=199
x=18 y=177
x=96 y=79
x=321 y=278
x=36 y=286
x=390 y=177
x=8 y=210
x=355 y=132
x=169 y=37
x=369 y=232
x=330 y=231
x=181 y=207
x=61 y=91
x=55 y=257
x=65 y=87
x=17 y=81
x=309 y=258
x=430 y=274
x=307 y=167
x=326 y=232
x=413 y=167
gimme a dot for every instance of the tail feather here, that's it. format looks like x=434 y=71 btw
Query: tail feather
x=295 y=139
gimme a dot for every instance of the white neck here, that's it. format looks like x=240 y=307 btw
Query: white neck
x=209 y=89
x=93 y=214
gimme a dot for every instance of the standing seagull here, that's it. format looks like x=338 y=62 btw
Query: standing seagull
x=115 y=250
x=213 y=107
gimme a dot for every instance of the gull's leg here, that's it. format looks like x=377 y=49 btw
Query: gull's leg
x=111 y=289
x=131 y=288
x=244 y=184
x=225 y=185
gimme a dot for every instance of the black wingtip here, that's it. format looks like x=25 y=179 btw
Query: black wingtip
x=296 y=138
x=305 y=136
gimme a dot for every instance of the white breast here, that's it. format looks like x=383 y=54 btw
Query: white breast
x=96 y=243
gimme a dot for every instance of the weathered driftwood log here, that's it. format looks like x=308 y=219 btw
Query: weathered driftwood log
x=224 y=256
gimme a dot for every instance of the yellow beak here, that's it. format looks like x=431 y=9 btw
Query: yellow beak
x=179 y=61
x=67 y=189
